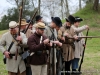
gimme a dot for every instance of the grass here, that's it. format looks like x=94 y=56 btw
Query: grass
x=89 y=16
x=2 y=66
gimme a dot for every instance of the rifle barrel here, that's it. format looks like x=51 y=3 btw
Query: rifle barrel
x=84 y=37
x=20 y=17
x=31 y=20
x=89 y=37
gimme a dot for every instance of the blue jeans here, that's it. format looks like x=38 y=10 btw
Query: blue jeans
x=75 y=62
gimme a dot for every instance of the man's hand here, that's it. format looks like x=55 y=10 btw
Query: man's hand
x=63 y=38
x=87 y=27
x=49 y=44
x=57 y=42
x=46 y=41
x=66 y=34
x=84 y=45
x=19 y=38
x=75 y=37
x=6 y=53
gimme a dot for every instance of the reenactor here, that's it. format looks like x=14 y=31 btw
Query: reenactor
x=28 y=33
x=38 y=19
x=79 y=43
x=66 y=31
x=14 y=62
x=51 y=33
x=38 y=46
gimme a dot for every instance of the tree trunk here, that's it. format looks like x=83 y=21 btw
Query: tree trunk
x=62 y=9
x=96 y=5
x=39 y=2
x=67 y=8
x=80 y=6
x=33 y=3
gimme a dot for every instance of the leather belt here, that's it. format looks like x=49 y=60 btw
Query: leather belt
x=15 y=54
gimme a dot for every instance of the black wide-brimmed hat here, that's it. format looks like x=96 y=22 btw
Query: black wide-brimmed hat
x=38 y=17
x=70 y=19
x=57 y=21
x=78 y=19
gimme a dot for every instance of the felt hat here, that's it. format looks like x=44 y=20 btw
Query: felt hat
x=78 y=19
x=70 y=19
x=57 y=21
x=38 y=17
x=40 y=25
x=23 y=22
x=12 y=24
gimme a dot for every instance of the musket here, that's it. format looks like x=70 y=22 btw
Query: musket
x=20 y=17
x=79 y=69
x=54 y=55
x=31 y=20
x=84 y=37
x=49 y=65
x=53 y=59
x=89 y=37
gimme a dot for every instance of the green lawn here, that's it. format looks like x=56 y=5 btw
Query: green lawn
x=2 y=66
x=91 y=63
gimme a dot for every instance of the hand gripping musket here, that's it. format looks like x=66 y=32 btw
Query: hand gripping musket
x=20 y=17
x=31 y=20
x=79 y=69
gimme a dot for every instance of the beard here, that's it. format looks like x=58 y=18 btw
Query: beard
x=67 y=27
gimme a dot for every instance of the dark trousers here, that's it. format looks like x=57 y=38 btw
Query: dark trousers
x=28 y=71
x=59 y=63
x=67 y=67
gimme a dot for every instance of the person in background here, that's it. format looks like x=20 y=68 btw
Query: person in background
x=29 y=32
x=23 y=25
x=38 y=19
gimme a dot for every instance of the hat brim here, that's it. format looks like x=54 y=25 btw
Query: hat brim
x=79 y=20
x=23 y=24
x=13 y=27
x=42 y=28
x=67 y=20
